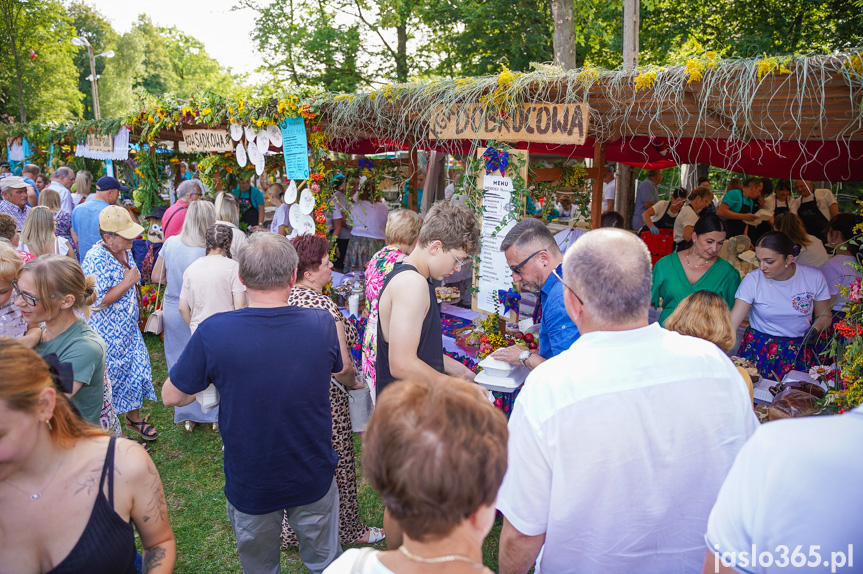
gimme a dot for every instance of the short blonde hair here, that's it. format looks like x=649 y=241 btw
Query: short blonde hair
x=10 y=262
x=227 y=208
x=50 y=199
x=199 y=217
x=403 y=226
x=83 y=182
x=705 y=315
x=57 y=276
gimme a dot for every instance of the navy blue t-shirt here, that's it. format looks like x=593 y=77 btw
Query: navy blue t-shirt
x=272 y=369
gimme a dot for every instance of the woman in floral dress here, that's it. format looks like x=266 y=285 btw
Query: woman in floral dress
x=403 y=228
x=115 y=317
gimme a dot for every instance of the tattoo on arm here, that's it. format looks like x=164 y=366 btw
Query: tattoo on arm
x=153 y=558
x=157 y=502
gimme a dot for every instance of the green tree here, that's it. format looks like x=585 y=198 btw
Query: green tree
x=91 y=25
x=118 y=90
x=37 y=61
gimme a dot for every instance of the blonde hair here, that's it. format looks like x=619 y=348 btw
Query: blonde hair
x=200 y=216
x=83 y=182
x=227 y=208
x=56 y=276
x=705 y=315
x=733 y=183
x=50 y=199
x=403 y=226
x=10 y=262
x=791 y=225
x=38 y=232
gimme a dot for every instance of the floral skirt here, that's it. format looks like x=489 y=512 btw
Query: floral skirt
x=360 y=252
x=774 y=356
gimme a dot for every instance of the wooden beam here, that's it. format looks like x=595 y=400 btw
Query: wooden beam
x=415 y=168
x=596 y=199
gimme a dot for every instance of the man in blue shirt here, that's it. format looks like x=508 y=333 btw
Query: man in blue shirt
x=29 y=173
x=535 y=260
x=274 y=413
x=646 y=196
x=85 y=217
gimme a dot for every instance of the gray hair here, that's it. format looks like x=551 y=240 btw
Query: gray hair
x=200 y=216
x=530 y=233
x=267 y=262
x=609 y=269
x=186 y=187
x=610 y=168
x=227 y=208
x=63 y=172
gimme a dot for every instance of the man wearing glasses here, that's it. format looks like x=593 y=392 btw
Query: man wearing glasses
x=535 y=260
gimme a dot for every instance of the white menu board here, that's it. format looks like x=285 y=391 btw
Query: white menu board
x=494 y=273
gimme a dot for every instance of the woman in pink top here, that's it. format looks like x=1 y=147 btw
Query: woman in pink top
x=403 y=228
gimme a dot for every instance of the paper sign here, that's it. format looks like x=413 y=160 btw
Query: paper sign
x=291 y=192
x=236 y=132
x=252 y=150
x=207 y=140
x=275 y=135
x=295 y=216
x=547 y=123
x=100 y=142
x=494 y=273
x=250 y=134
x=241 y=155
x=263 y=141
x=295 y=149
x=307 y=202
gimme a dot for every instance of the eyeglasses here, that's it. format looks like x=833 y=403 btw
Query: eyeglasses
x=517 y=268
x=562 y=282
x=29 y=299
x=459 y=263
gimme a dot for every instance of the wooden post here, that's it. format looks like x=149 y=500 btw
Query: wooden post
x=596 y=186
x=624 y=195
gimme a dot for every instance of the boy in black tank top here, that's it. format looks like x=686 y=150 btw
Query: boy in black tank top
x=410 y=343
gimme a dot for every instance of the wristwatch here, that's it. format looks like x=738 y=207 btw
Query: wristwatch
x=523 y=357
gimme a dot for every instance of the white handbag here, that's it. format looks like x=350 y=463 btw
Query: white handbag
x=360 y=406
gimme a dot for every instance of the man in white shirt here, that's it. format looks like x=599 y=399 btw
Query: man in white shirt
x=619 y=445
x=609 y=184
x=758 y=506
x=61 y=180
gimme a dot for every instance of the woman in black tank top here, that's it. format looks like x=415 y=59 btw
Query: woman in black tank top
x=55 y=471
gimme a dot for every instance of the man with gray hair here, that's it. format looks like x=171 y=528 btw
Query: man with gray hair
x=646 y=196
x=274 y=414
x=61 y=180
x=535 y=259
x=619 y=445
x=173 y=218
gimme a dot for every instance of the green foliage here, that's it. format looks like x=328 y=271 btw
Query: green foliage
x=35 y=42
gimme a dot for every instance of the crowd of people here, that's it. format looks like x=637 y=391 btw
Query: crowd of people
x=629 y=448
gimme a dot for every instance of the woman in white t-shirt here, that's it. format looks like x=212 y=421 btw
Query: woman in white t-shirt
x=842 y=269
x=788 y=306
x=780 y=201
x=211 y=284
x=700 y=198
x=368 y=220
x=420 y=452
x=663 y=213
x=37 y=236
x=812 y=251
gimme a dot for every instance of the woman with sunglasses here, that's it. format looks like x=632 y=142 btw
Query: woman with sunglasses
x=115 y=318
x=52 y=290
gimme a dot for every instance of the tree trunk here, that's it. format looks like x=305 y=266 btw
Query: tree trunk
x=624 y=201
x=402 y=51
x=21 y=109
x=562 y=13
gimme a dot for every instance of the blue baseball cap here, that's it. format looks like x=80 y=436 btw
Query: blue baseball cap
x=107 y=183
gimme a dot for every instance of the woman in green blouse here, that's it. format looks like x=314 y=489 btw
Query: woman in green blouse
x=699 y=267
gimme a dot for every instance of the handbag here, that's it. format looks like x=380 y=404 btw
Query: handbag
x=154 y=321
x=360 y=406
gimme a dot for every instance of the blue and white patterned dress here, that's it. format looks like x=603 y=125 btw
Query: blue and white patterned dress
x=127 y=365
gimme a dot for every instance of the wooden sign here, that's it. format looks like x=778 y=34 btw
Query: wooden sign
x=100 y=142
x=207 y=140
x=546 y=123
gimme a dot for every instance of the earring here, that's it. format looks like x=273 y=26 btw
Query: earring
x=786 y=266
x=48 y=422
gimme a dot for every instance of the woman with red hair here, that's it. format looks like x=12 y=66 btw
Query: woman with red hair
x=314 y=270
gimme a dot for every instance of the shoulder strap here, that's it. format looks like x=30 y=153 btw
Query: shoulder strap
x=164 y=227
x=360 y=563
x=108 y=468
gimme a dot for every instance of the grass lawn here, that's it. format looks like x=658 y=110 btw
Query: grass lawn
x=191 y=468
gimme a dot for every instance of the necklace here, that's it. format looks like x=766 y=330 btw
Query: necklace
x=37 y=495
x=440 y=559
x=695 y=266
